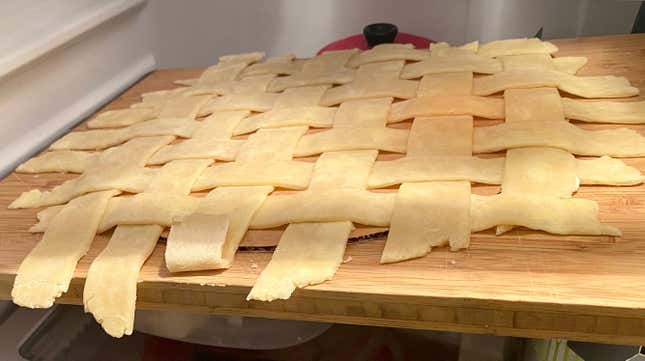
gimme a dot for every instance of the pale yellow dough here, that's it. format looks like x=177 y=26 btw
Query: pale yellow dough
x=325 y=69
x=195 y=242
x=330 y=171
x=533 y=105
x=336 y=139
x=605 y=86
x=605 y=111
x=72 y=161
x=363 y=113
x=436 y=168
x=388 y=52
x=608 y=171
x=568 y=64
x=314 y=116
x=279 y=173
x=458 y=83
x=45 y=217
x=360 y=206
x=104 y=138
x=433 y=136
x=253 y=101
x=374 y=80
x=271 y=144
x=485 y=107
x=516 y=46
x=252 y=84
x=446 y=59
x=47 y=270
x=540 y=212
x=621 y=142
x=110 y=291
x=116 y=168
x=121 y=118
x=283 y=65
x=427 y=215
x=307 y=254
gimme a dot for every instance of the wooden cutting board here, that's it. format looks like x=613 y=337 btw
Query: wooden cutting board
x=523 y=283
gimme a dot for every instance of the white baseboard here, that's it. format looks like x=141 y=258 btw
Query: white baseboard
x=29 y=143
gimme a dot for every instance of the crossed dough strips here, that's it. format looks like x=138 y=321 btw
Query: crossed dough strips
x=374 y=80
x=310 y=253
x=104 y=138
x=195 y=242
x=621 y=142
x=264 y=159
x=253 y=101
x=327 y=68
x=322 y=203
x=47 y=270
x=252 y=84
x=337 y=139
x=602 y=111
x=606 y=86
x=388 y=52
x=211 y=139
x=432 y=213
x=568 y=64
x=551 y=214
x=307 y=254
x=120 y=167
x=447 y=94
x=446 y=59
x=294 y=106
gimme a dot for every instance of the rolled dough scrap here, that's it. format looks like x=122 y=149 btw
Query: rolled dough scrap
x=360 y=206
x=620 y=142
x=388 y=52
x=110 y=291
x=569 y=64
x=606 y=86
x=307 y=254
x=44 y=218
x=485 y=107
x=314 y=116
x=253 y=101
x=551 y=214
x=374 y=80
x=271 y=144
x=116 y=168
x=604 y=111
x=434 y=136
x=335 y=139
x=459 y=83
x=279 y=65
x=121 y=117
x=449 y=60
x=533 y=105
x=104 y=138
x=330 y=171
x=364 y=113
x=238 y=204
x=436 y=168
x=47 y=270
x=195 y=243
x=147 y=208
x=606 y=170
x=540 y=171
x=279 y=173
x=72 y=161
x=516 y=47
x=427 y=215
x=252 y=84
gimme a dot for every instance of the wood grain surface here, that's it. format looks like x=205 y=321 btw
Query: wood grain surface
x=524 y=283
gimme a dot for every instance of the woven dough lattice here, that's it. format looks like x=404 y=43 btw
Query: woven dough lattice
x=391 y=137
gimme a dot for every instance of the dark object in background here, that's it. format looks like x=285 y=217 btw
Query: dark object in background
x=380 y=33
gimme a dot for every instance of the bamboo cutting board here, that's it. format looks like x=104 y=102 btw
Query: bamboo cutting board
x=523 y=283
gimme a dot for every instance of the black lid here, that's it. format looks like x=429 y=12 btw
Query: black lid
x=380 y=33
